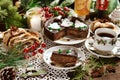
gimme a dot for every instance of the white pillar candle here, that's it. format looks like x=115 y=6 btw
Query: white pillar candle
x=35 y=23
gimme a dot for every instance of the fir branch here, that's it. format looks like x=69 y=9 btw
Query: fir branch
x=67 y=3
x=13 y=55
x=3 y=14
x=9 y=14
x=77 y=74
x=27 y=4
x=92 y=63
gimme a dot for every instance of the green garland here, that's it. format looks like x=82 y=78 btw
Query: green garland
x=9 y=58
x=81 y=72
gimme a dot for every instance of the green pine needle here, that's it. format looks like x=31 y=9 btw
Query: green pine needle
x=82 y=71
x=9 y=14
x=13 y=55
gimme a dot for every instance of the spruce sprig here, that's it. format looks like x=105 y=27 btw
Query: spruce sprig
x=27 y=4
x=9 y=14
x=10 y=58
x=80 y=72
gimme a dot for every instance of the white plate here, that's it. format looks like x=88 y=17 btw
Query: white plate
x=48 y=53
x=114 y=53
x=70 y=41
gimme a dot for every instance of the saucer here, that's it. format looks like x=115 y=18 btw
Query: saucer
x=105 y=54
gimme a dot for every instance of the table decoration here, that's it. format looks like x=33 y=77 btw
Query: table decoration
x=9 y=58
x=8 y=73
x=34 y=24
x=28 y=63
x=34 y=18
x=95 y=68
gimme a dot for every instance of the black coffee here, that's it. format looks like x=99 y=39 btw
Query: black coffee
x=106 y=35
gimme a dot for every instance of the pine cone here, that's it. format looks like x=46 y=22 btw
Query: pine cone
x=110 y=69
x=8 y=73
x=97 y=72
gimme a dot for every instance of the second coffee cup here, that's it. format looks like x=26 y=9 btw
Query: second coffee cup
x=105 y=39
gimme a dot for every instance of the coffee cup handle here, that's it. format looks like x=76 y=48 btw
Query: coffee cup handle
x=117 y=43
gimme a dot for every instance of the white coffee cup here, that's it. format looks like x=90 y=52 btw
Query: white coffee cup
x=105 y=39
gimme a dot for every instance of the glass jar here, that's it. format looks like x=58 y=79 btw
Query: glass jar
x=34 y=19
x=82 y=7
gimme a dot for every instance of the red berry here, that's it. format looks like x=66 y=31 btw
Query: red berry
x=26 y=50
x=40 y=51
x=57 y=8
x=33 y=47
x=37 y=44
x=34 y=53
x=43 y=45
x=50 y=15
x=66 y=9
x=46 y=9
x=61 y=13
x=47 y=14
x=26 y=56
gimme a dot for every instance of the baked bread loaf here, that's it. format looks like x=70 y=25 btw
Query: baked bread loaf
x=101 y=24
x=14 y=36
